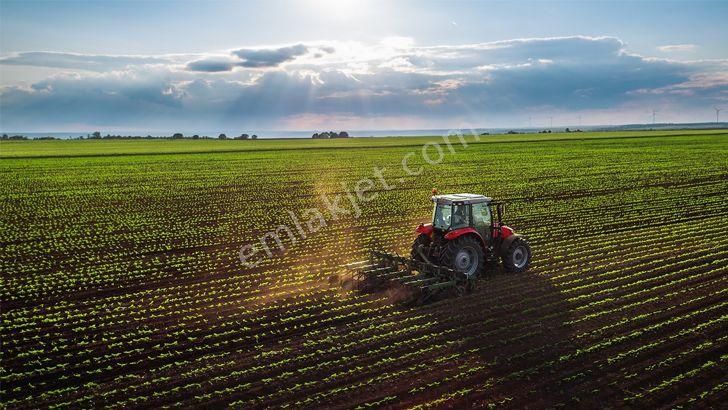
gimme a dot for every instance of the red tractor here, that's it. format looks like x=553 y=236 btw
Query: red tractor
x=466 y=233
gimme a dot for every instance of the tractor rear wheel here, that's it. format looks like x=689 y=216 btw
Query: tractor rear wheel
x=422 y=241
x=464 y=254
x=518 y=256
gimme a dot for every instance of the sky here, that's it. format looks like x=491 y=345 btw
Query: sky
x=358 y=65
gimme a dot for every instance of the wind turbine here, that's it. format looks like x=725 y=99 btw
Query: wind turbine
x=717 y=113
x=653 y=116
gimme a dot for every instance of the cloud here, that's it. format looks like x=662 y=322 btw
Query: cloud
x=79 y=61
x=255 y=58
x=212 y=65
x=99 y=98
x=576 y=50
x=269 y=57
x=360 y=83
x=670 y=48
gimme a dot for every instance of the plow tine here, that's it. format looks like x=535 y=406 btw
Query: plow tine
x=441 y=286
x=418 y=282
x=376 y=271
x=356 y=264
x=394 y=275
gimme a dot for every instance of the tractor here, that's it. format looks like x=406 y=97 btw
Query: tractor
x=466 y=236
x=467 y=233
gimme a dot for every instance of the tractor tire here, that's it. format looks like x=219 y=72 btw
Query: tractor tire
x=464 y=254
x=517 y=257
x=422 y=240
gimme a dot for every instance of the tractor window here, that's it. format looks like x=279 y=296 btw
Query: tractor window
x=481 y=219
x=441 y=219
x=481 y=215
x=460 y=216
x=451 y=216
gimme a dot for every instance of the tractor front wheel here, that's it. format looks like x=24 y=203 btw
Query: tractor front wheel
x=464 y=254
x=518 y=256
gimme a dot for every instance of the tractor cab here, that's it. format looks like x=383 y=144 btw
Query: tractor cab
x=458 y=211
x=462 y=211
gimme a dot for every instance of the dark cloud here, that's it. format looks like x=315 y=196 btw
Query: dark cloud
x=257 y=58
x=210 y=65
x=566 y=50
x=569 y=86
x=251 y=58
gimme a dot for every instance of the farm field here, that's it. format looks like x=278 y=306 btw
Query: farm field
x=122 y=285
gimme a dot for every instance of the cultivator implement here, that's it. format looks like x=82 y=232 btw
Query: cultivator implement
x=407 y=280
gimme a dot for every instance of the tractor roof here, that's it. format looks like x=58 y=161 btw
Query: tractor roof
x=460 y=199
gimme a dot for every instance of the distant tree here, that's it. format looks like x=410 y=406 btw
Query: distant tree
x=96 y=134
x=222 y=137
x=568 y=130
x=177 y=135
x=343 y=134
x=194 y=137
x=244 y=136
x=255 y=137
x=315 y=135
x=5 y=136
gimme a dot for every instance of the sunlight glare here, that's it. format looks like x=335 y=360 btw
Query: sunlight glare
x=338 y=9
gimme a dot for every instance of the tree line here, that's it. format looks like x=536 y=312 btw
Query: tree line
x=330 y=134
